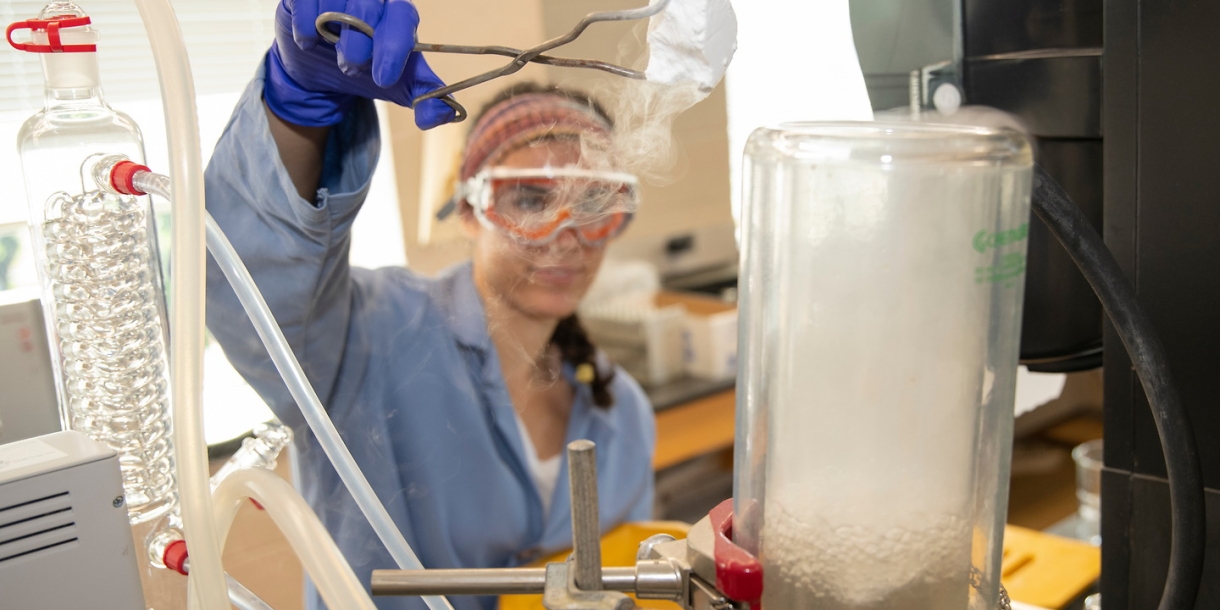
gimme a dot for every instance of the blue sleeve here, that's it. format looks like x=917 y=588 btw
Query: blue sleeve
x=645 y=426
x=296 y=250
x=645 y=506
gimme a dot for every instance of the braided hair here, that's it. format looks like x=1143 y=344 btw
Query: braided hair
x=569 y=337
x=576 y=349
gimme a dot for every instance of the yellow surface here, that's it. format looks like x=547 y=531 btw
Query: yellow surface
x=619 y=546
x=695 y=428
x=1046 y=570
x=1039 y=569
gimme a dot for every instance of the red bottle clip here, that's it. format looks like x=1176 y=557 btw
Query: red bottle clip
x=51 y=27
x=739 y=574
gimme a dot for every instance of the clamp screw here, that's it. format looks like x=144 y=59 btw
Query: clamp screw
x=117 y=502
x=645 y=550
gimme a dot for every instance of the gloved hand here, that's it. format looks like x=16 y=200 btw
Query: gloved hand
x=313 y=83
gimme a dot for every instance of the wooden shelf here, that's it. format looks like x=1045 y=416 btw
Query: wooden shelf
x=696 y=428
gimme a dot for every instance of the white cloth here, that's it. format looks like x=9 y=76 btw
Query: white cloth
x=545 y=473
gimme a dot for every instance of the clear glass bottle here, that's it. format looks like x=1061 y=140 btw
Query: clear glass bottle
x=99 y=268
x=880 y=291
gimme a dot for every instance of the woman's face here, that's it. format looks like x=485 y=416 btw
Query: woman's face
x=540 y=281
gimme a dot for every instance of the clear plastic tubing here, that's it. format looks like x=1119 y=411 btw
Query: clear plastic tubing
x=311 y=407
x=243 y=598
x=321 y=558
x=881 y=290
x=298 y=385
x=207 y=584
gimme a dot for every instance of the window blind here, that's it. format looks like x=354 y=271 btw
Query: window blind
x=225 y=40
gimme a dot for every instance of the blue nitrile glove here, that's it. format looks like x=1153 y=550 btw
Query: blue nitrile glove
x=313 y=83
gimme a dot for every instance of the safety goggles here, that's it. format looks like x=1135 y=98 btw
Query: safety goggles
x=534 y=205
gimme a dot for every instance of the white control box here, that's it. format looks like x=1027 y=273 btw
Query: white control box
x=28 y=406
x=64 y=537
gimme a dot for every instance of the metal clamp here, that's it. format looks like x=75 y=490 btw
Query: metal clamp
x=563 y=593
x=706 y=597
x=520 y=58
x=699 y=572
x=327 y=18
x=579 y=584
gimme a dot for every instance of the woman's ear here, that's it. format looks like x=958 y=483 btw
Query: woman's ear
x=470 y=224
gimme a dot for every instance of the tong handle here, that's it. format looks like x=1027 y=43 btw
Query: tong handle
x=335 y=17
x=520 y=57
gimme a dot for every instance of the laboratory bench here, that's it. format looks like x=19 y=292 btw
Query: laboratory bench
x=685 y=390
x=695 y=426
x=694 y=418
x=1042 y=496
x=693 y=461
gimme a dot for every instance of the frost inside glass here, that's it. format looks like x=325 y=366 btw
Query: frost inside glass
x=881 y=288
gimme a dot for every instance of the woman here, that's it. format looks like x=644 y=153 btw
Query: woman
x=456 y=395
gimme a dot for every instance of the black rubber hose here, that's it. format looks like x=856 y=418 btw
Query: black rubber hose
x=1117 y=296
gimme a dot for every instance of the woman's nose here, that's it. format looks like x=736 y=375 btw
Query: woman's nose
x=567 y=238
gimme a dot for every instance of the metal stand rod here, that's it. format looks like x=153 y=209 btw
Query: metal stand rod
x=586 y=529
x=581 y=582
x=499 y=581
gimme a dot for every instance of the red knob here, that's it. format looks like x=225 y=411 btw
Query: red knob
x=122 y=177
x=175 y=556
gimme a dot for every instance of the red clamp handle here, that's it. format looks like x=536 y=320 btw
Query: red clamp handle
x=52 y=27
x=739 y=574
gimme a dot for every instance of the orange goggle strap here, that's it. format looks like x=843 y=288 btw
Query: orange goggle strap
x=52 y=28
x=526 y=234
x=606 y=231
x=610 y=228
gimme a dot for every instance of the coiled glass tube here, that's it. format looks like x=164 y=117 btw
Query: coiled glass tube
x=102 y=275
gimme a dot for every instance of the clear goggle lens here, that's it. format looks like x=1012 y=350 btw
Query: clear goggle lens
x=535 y=205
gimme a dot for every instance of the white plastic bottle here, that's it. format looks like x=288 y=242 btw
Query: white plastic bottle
x=98 y=264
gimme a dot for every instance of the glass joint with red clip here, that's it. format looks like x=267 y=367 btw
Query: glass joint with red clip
x=52 y=28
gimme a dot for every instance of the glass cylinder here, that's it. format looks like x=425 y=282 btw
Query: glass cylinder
x=99 y=267
x=1089 y=458
x=881 y=288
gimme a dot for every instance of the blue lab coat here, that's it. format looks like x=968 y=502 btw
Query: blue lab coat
x=405 y=368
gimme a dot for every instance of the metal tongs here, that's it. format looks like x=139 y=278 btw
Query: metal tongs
x=520 y=57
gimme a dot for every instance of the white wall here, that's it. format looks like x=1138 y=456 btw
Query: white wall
x=795 y=61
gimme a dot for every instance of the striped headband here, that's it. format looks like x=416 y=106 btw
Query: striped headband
x=528 y=118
